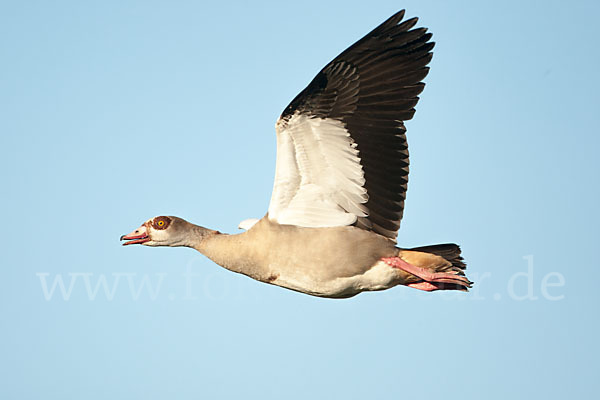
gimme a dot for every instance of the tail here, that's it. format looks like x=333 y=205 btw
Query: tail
x=449 y=251
x=439 y=259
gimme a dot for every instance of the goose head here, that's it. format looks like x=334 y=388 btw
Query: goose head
x=161 y=231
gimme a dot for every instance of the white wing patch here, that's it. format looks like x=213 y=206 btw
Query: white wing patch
x=319 y=181
x=247 y=223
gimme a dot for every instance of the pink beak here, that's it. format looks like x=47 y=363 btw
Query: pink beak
x=140 y=235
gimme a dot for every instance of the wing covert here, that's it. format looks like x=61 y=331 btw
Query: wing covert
x=342 y=155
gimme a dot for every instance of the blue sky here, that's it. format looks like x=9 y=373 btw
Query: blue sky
x=114 y=112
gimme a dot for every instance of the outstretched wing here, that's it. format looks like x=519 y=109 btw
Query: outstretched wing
x=342 y=156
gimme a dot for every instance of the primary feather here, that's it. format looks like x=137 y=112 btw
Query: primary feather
x=342 y=155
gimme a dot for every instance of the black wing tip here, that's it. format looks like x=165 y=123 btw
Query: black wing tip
x=397 y=17
x=396 y=21
x=409 y=23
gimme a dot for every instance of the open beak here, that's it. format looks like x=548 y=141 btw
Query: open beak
x=139 y=236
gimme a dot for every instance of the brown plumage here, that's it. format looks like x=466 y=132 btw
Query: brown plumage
x=340 y=185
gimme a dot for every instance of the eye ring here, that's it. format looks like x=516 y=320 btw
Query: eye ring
x=161 y=222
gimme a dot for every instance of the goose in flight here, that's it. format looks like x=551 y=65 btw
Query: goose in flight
x=340 y=183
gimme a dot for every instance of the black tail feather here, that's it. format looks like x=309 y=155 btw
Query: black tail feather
x=449 y=251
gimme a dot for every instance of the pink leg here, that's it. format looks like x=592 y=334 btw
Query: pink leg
x=426 y=274
x=426 y=286
x=431 y=287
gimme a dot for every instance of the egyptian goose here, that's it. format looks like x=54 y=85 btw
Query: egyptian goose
x=340 y=183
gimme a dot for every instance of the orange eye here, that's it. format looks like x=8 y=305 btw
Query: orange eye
x=161 y=222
